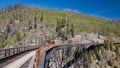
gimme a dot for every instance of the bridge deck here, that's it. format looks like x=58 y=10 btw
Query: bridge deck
x=26 y=64
x=9 y=61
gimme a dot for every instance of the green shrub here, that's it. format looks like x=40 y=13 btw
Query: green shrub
x=111 y=45
x=102 y=49
x=115 y=66
x=110 y=63
x=70 y=41
x=99 y=56
x=85 y=57
x=117 y=50
x=77 y=49
x=106 y=44
x=90 y=54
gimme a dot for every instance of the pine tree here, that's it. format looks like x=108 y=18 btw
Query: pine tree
x=68 y=25
x=18 y=36
x=67 y=30
x=35 y=25
x=8 y=28
x=58 y=27
x=41 y=19
x=72 y=30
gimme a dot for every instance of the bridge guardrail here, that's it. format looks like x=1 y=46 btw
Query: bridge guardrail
x=7 y=52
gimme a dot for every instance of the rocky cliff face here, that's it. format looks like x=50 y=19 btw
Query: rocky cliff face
x=100 y=58
x=89 y=38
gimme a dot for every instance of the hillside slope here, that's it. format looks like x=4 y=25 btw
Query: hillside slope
x=19 y=24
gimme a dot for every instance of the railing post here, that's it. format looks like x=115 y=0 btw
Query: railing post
x=17 y=50
x=9 y=52
x=5 y=53
x=13 y=51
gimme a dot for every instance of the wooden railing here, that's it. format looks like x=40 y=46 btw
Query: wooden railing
x=5 y=53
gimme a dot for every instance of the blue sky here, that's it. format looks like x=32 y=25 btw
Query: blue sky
x=102 y=8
